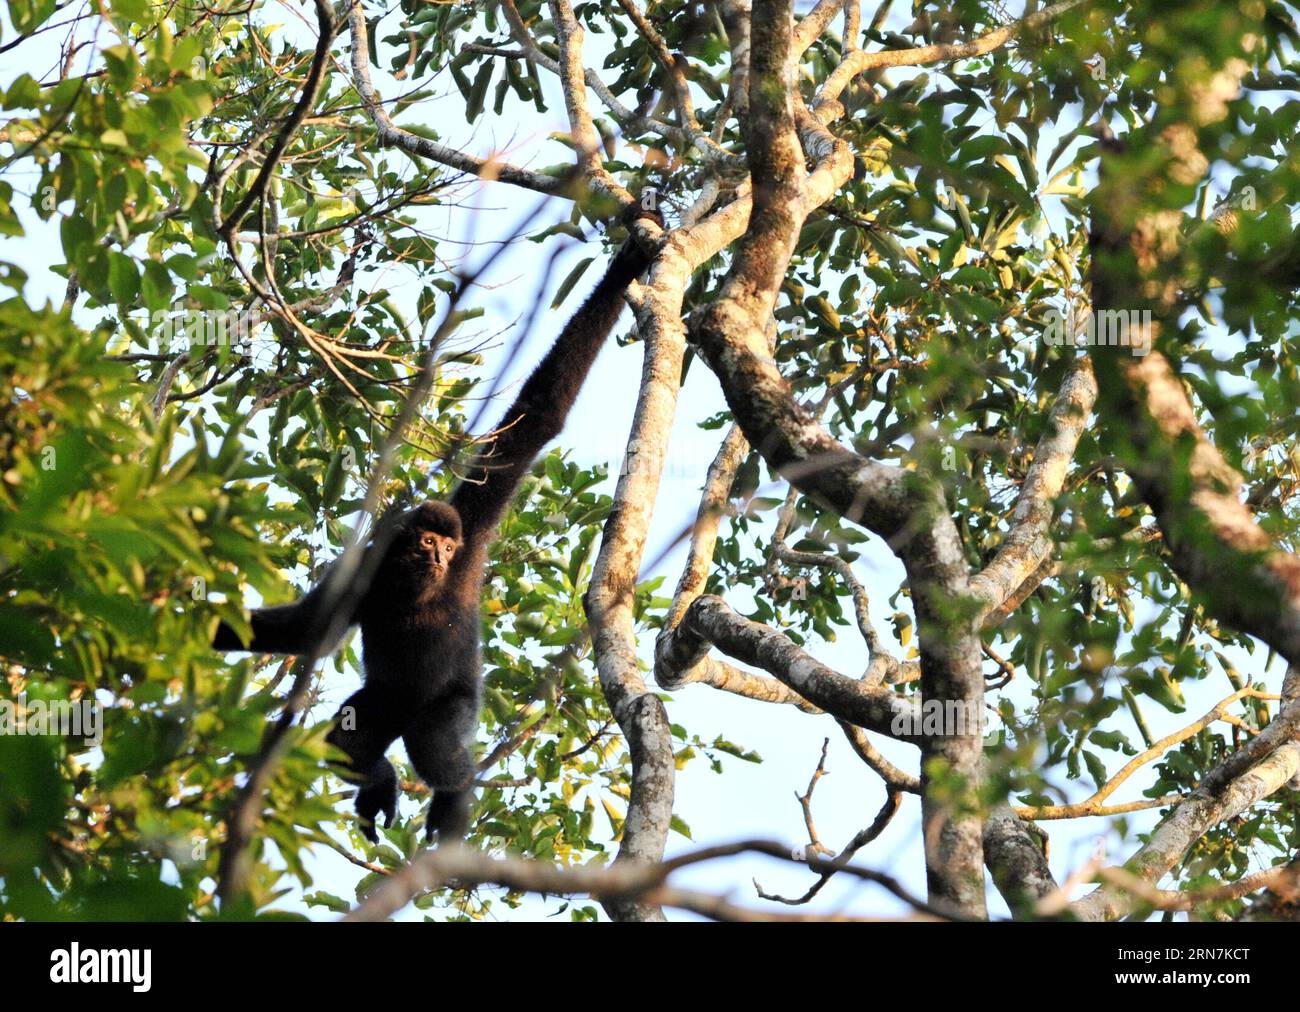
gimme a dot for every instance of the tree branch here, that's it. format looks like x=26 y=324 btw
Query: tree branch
x=710 y=621
x=617 y=884
x=1252 y=773
x=389 y=135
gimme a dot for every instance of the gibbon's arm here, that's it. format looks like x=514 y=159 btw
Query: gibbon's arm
x=538 y=414
x=297 y=628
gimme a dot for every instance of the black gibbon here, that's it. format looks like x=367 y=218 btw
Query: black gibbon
x=419 y=616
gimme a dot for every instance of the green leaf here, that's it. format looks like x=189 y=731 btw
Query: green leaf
x=28 y=15
x=123 y=279
x=156 y=286
x=570 y=280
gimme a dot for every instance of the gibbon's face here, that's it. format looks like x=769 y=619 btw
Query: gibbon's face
x=437 y=551
x=432 y=540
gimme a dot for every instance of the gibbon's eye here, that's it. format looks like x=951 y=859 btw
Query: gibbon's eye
x=427 y=540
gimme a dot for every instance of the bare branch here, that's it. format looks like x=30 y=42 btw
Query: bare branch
x=619 y=883
x=863 y=837
x=1095 y=805
x=610 y=598
x=573 y=82
x=860 y=61
x=708 y=518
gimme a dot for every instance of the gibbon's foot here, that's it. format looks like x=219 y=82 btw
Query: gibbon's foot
x=448 y=816
x=373 y=799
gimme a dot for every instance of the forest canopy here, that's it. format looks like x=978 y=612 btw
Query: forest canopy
x=994 y=309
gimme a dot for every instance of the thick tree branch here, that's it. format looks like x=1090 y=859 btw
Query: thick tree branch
x=1214 y=540
x=1016 y=858
x=1028 y=544
x=610 y=598
x=709 y=621
x=893 y=504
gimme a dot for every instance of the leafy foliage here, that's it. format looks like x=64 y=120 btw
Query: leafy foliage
x=145 y=486
x=170 y=444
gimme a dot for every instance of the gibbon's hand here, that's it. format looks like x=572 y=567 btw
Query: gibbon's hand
x=635 y=211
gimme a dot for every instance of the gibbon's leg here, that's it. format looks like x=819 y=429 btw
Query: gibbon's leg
x=364 y=728
x=449 y=815
x=437 y=743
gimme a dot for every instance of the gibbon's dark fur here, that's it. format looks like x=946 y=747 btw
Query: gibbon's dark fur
x=419 y=616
